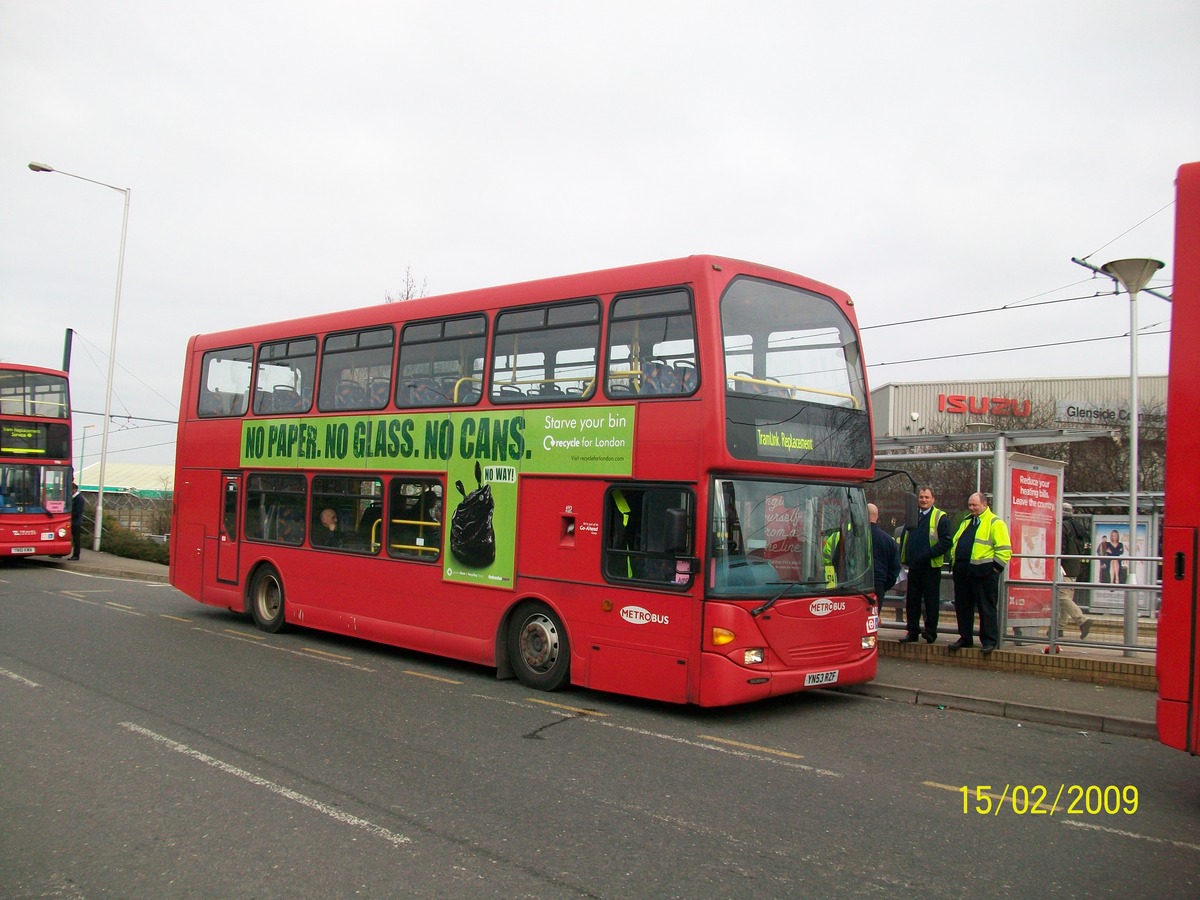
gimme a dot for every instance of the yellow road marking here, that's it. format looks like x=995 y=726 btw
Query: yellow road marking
x=430 y=677
x=325 y=653
x=117 y=605
x=245 y=634
x=574 y=709
x=756 y=747
x=174 y=618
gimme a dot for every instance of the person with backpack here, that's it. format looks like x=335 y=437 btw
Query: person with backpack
x=1074 y=543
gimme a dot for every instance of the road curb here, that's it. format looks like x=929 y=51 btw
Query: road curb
x=115 y=572
x=1022 y=712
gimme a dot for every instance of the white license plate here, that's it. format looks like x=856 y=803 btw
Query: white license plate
x=816 y=678
x=16 y=550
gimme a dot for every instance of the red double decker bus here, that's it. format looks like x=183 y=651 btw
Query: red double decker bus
x=35 y=462
x=645 y=480
x=1179 y=624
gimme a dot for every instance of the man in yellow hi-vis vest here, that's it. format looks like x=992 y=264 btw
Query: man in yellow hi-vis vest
x=922 y=549
x=982 y=548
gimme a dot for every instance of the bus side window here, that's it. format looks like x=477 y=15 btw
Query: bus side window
x=643 y=522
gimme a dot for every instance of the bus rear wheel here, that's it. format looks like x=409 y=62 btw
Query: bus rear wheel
x=266 y=600
x=537 y=647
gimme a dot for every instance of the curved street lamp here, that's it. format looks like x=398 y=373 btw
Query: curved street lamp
x=1133 y=275
x=112 y=346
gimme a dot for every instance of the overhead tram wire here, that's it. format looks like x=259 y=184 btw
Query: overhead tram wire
x=980 y=312
x=1113 y=337
x=172 y=403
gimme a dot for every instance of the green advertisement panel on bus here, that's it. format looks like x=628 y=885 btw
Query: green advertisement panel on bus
x=503 y=443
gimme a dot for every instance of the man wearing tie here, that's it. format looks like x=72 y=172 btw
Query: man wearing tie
x=922 y=549
x=979 y=554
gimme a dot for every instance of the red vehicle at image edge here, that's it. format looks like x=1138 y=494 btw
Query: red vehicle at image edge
x=646 y=480
x=35 y=461
x=1179 y=623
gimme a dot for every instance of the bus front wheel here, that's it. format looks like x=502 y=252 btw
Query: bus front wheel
x=537 y=647
x=266 y=600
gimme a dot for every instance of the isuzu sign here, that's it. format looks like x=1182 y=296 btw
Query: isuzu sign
x=639 y=616
x=824 y=607
x=961 y=404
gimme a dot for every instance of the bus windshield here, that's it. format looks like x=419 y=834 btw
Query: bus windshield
x=769 y=535
x=794 y=385
x=788 y=343
x=33 y=488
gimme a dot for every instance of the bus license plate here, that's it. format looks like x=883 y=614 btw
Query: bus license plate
x=817 y=678
x=16 y=550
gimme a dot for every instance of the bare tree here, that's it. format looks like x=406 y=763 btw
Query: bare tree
x=410 y=289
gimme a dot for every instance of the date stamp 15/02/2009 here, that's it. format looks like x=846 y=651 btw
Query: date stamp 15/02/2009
x=1049 y=800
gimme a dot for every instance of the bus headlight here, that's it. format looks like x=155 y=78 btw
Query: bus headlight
x=753 y=656
x=62 y=532
x=868 y=642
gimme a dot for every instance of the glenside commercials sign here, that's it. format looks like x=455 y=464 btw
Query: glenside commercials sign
x=1107 y=415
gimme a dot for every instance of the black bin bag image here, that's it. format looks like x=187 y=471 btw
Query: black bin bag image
x=472 y=538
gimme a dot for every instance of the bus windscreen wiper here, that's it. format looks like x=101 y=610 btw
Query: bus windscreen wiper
x=759 y=610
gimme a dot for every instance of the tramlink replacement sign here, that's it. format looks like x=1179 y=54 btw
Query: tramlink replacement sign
x=560 y=441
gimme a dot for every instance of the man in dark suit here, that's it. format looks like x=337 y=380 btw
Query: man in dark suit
x=922 y=549
x=77 y=506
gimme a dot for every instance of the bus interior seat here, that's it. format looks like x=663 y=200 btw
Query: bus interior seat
x=286 y=400
x=659 y=378
x=290 y=525
x=468 y=392
x=370 y=516
x=350 y=395
x=380 y=391
x=424 y=392
x=508 y=390
x=211 y=404
x=688 y=377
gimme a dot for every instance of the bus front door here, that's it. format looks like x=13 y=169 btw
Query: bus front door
x=227 y=538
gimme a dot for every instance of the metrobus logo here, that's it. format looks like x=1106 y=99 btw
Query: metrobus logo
x=825 y=607
x=639 y=616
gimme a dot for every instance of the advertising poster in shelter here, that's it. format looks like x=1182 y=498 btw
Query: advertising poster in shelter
x=1112 y=563
x=1035 y=487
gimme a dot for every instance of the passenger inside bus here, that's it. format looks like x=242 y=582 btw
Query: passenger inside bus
x=326 y=531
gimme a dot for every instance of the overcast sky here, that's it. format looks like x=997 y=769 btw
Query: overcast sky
x=288 y=158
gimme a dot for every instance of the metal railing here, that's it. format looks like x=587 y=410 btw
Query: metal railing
x=1103 y=604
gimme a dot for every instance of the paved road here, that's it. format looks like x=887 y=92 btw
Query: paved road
x=150 y=746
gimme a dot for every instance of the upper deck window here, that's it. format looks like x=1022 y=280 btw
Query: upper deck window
x=652 y=345
x=33 y=394
x=441 y=362
x=356 y=370
x=286 y=370
x=789 y=343
x=225 y=381
x=547 y=353
x=794 y=385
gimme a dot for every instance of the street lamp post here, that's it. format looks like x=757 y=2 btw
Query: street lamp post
x=82 y=450
x=112 y=346
x=1133 y=275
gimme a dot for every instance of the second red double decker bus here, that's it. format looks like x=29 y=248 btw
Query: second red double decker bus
x=35 y=461
x=645 y=480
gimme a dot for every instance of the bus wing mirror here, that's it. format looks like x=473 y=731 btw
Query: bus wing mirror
x=911 y=511
x=677 y=530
